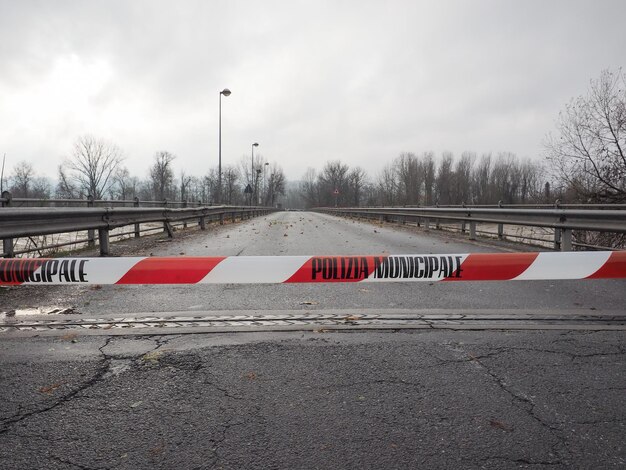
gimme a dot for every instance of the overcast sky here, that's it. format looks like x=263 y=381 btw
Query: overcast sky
x=312 y=81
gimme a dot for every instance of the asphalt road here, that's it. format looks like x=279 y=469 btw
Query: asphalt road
x=429 y=399
x=548 y=395
x=304 y=233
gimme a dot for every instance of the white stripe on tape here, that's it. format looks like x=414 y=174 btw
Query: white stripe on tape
x=573 y=265
x=254 y=269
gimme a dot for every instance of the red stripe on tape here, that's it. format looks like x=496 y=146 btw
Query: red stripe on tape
x=494 y=266
x=336 y=269
x=615 y=267
x=170 y=270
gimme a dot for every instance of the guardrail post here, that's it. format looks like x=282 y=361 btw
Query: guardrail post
x=185 y=206
x=234 y=216
x=557 y=238
x=7 y=248
x=463 y=227
x=202 y=222
x=472 y=231
x=500 y=231
x=7 y=243
x=566 y=239
x=222 y=218
x=103 y=240
x=166 y=227
x=91 y=233
x=6 y=195
x=137 y=228
x=426 y=225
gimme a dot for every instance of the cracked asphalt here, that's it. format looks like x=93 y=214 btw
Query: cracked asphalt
x=436 y=399
x=484 y=399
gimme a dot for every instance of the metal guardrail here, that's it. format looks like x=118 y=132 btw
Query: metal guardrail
x=563 y=221
x=7 y=200
x=33 y=221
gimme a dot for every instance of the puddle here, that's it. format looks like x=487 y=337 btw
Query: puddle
x=20 y=312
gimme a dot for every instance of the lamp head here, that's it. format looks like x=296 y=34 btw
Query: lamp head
x=256 y=144
x=225 y=92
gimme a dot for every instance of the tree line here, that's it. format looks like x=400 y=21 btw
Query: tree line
x=427 y=179
x=95 y=168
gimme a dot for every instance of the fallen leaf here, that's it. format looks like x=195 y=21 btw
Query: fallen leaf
x=152 y=356
x=181 y=253
x=69 y=336
x=96 y=287
x=285 y=235
x=136 y=404
x=499 y=425
x=309 y=302
x=156 y=450
x=50 y=388
x=364 y=290
x=250 y=376
x=352 y=318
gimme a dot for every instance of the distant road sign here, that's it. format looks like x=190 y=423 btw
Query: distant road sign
x=248 y=190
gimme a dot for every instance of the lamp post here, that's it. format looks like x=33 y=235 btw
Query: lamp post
x=225 y=92
x=252 y=175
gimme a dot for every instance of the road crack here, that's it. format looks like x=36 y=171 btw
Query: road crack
x=522 y=402
x=102 y=370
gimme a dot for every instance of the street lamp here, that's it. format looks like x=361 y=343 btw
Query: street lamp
x=225 y=92
x=256 y=144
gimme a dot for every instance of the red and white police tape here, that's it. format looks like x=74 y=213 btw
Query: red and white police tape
x=298 y=269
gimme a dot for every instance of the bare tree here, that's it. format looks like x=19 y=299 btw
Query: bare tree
x=408 y=170
x=387 y=186
x=124 y=186
x=185 y=181
x=463 y=178
x=232 y=191
x=162 y=175
x=481 y=176
x=275 y=185
x=445 y=180
x=21 y=181
x=428 y=168
x=357 y=178
x=310 y=189
x=66 y=189
x=334 y=177
x=92 y=164
x=589 y=150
